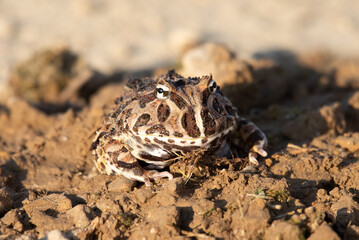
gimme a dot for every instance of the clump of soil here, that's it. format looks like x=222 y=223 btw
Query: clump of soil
x=50 y=75
x=306 y=188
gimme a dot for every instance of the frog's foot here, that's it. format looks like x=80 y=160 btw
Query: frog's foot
x=254 y=138
x=153 y=174
x=116 y=160
x=257 y=149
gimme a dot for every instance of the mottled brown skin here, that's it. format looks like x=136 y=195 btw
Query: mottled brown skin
x=160 y=119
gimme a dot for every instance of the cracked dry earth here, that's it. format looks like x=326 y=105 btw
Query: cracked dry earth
x=307 y=188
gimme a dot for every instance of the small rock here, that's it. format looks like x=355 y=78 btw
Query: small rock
x=12 y=218
x=254 y=221
x=58 y=202
x=164 y=216
x=349 y=141
x=335 y=193
x=284 y=231
x=268 y=162
x=63 y=204
x=108 y=205
x=324 y=231
x=142 y=195
x=174 y=185
x=121 y=184
x=81 y=215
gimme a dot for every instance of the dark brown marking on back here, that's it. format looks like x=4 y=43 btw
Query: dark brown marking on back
x=209 y=123
x=138 y=139
x=146 y=99
x=204 y=140
x=205 y=95
x=147 y=139
x=159 y=128
x=179 y=101
x=189 y=124
x=141 y=121
x=180 y=83
x=171 y=74
x=156 y=140
x=140 y=85
x=183 y=141
x=163 y=112
x=177 y=134
x=171 y=140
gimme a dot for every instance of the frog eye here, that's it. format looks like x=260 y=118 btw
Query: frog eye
x=212 y=86
x=162 y=92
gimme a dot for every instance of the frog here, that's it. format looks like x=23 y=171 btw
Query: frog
x=159 y=119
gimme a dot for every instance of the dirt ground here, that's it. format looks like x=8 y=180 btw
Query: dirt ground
x=307 y=188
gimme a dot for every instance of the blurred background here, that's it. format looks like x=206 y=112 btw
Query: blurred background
x=129 y=35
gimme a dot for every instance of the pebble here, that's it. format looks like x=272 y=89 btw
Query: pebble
x=121 y=184
x=324 y=232
x=81 y=215
x=142 y=195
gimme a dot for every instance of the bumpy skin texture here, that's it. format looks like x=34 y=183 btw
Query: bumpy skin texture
x=160 y=119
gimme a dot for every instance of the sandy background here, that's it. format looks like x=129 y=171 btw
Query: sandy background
x=307 y=104
x=137 y=34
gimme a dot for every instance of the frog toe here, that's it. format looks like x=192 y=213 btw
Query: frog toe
x=156 y=175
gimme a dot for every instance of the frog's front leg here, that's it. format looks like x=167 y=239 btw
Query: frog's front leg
x=254 y=138
x=116 y=159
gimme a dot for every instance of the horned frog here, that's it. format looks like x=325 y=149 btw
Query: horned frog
x=159 y=119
